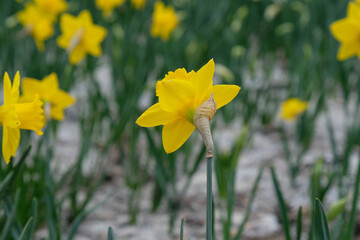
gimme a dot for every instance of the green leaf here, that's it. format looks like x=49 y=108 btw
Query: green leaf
x=299 y=224
x=282 y=205
x=77 y=221
x=336 y=209
x=5 y=183
x=52 y=215
x=251 y=201
x=26 y=232
x=9 y=180
x=321 y=227
x=111 y=235
x=10 y=219
x=182 y=229
x=34 y=211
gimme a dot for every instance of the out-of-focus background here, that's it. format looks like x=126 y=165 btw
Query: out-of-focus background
x=97 y=169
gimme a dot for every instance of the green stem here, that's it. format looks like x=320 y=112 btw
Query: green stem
x=352 y=222
x=209 y=198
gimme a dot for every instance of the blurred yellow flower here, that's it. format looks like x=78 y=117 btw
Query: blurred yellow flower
x=164 y=21
x=52 y=7
x=180 y=93
x=138 y=4
x=347 y=32
x=48 y=91
x=80 y=36
x=15 y=116
x=107 y=6
x=291 y=108
x=36 y=23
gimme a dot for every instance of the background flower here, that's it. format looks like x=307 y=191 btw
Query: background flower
x=347 y=32
x=164 y=21
x=107 y=6
x=80 y=36
x=48 y=90
x=291 y=108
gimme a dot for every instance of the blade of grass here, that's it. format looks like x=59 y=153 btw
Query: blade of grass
x=10 y=218
x=182 y=229
x=52 y=215
x=26 y=232
x=251 y=201
x=111 y=235
x=299 y=224
x=77 y=221
x=352 y=222
x=282 y=205
x=321 y=227
x=34 y=211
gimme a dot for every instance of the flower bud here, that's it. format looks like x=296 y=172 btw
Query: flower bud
x=202 y=116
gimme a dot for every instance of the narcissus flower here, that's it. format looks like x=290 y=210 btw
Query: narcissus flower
x=180 y=94
x=107 y=6
x=138 y=4
x=48 y=90
x=80 y=36
x=347 y=32
x=164 y=21
x=36 y=23
x=15 y=116
x=292 y=108
x=52 y=7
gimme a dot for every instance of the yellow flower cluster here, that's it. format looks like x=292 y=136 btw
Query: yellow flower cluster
x=180 y=93
x=80 y=36
x=138 y=4
x=347 y=32
x=164 y=21
x=291 y=108
x=26 y=112
x=38 y=18
x=107 y=6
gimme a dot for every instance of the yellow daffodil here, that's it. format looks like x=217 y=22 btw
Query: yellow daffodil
x=164 y=21
x=15 y=116
x=107 y=6
x=180 y=93
x=80 y=36
x=52 y=7
x=347 y=32
x=292 y=108
x=138 y=4
x=36 y=23
x=48 y=91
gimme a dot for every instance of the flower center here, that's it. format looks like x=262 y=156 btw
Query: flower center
x=76 y=39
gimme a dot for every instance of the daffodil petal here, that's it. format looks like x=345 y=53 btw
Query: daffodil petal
x=175 y=133
x=223 y=94
x=78 y=54
x=353 y=10
x=15 y=87
x=62 y=98
x=11 y=139
x=347 y=50
x=7 y=89
x=155 y=116
x=345 y=30
x=50 y=82
x=174 y=94
x=57 y=112
x=203 y=81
